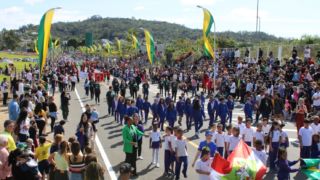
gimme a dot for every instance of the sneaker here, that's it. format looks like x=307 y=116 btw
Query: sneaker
x=158 y=165
x=153 y=162
x=140 y=157
x=185 y=175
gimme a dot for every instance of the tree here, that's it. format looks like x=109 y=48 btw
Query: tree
x=54 y=40
x=11 y=40
x=74 y=42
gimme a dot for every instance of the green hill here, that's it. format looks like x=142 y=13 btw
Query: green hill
x=163 y=32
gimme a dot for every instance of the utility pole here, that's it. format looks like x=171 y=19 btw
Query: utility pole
x=257 y=26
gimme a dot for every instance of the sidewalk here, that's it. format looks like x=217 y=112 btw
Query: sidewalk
x=4 y=115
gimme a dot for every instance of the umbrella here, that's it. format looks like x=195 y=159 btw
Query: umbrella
x=6 y=61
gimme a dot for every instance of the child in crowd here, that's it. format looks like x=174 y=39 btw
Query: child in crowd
x=315 y=146
x=258 y=150
x=212 y=107
x=139 y=105
x=180 y=108
x=161 y=112
x=133 y=109
x=146 y=105
x=230 y=105
x=234 y=140
x=154 y=110
x=42 y=155
x=58 y=129
x=223 y=111
x=219 y=140
x=284 y=137
x=121 y=108
x=274 y=142
x=87 y=150
x=28 y=164
x=258 y=135
x=248 y=108
x=155 y=143
x=168 y=150
x=181 y=154
x=213 y=130
x=158 y=97
x=315 y=125
x=226 y=140
x=265 y=130
x=203 y=165
x=240 y=125
x=188 y=113
x=95 y=117
x=284 y=165
x=305 y=139
x=115 y=108
x=203 y=99
x=167 y=100
x=248 y=132
x=172 y=145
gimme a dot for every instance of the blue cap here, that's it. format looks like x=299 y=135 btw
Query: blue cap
x=209 y=133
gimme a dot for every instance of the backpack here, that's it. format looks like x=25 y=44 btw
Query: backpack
x=16 y=129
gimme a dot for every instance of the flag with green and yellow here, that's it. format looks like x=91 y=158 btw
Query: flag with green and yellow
x=150 y=45
x=207 y=24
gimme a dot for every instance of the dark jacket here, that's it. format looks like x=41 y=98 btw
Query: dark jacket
x=263 y=105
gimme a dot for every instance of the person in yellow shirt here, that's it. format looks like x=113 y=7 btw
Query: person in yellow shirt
x=8 y=128
x=42 y=155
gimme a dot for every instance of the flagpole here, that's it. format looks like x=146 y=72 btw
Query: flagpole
x=214 y=57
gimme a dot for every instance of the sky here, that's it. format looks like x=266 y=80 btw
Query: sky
x=282 y=18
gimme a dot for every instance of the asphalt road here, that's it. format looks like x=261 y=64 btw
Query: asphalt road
x=111 y=155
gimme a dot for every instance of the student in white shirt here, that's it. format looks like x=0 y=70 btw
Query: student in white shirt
x=167 y=150
x=234 y=140
x=315 y=125
x=226 y=140
x=23 y=122
x=219 y=140
x=284 y=137
x=213 y=130
x=305 y=139
x=155 y=143
x=240 y=125
x=248 y=132
x=274 y=143
x=203 y=165
x=265 y=130
x=181 y=154
x=73 y=82
x=258 y=150
x=259 y=135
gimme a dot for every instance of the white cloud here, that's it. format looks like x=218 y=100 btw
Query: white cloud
x=15 y=17
x=199 y=2
x=139 y=8
x=32 y=2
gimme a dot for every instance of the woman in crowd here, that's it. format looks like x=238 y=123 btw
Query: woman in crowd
x=40 y=117
x=5 y=169
x=76 y=162
x=84 y=132
x=139 y=126
x=65 y=97
x=94 y=171
x=59 y=162
x=53 y=111
x=23 y=124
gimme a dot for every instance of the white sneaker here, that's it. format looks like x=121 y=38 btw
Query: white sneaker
x=153 y=162
x=140 y=157
x=158 y=165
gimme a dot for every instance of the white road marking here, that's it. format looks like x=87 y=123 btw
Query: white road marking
x=103 y=153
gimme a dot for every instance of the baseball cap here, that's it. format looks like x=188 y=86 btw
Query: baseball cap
x=29 y=140
x=22 y=146
x=209 y=133
x=126 y=168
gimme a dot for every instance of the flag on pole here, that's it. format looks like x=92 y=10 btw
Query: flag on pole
x=109 y=49
x=150 y=45
x=35 y=46
x=136 y=43
x=43 y=37
x=207 y=23
x=311 y=168
x=242 y=164
x=119 y=46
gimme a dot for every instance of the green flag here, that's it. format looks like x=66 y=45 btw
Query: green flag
x=311 y=169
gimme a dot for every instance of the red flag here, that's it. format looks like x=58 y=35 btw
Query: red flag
x=98 y=76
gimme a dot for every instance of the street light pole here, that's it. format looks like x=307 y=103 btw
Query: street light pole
x=257 y=25
x=259 y=30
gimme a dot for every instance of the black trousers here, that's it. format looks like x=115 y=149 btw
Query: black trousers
x=131 y=158
x=140 y=147
x=161 y=91
x=242 y=94
x=174 y=95
x=40 y=125
x=53 y=120
x=23 y=137
x=5 y=97
x=110 y=108
x=134 y=93
x=73 y=84
x=123 y=93
x=97 y=97
x=91 y=93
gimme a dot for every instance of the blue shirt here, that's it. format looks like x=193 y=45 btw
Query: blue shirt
x=154 y=109
x=212 y=146
x=180 y=106
x=139 y=103
x=172 y=114
x=58 y=130
x=167 y=101
x=13 y=109
x=248 y=108
x=146 y=106
x=132 y=110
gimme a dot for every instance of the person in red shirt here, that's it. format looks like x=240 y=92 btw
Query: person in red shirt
x=310 y=61
x=108 y=76
x=90 y=75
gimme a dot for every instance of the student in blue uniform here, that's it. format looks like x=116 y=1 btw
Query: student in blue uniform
x=248 y=108
x=168 y=99
x=230 y=105
x=217 y=101
x=284 y=165
x=154 y=110
x=183 y=98
x=115 y=108
x=133 y=109
x=161 y=113
x=203 y=99
x=188 y=113
x=196 y=97
x=197 y=114
x=274 y=142
x=145 y=87
x=212 y=107
x=139 y=105
x=121 y=108
x=315 y=151
x=223 y=111
x=180 y=108
x=171 y=114
x=146 y=106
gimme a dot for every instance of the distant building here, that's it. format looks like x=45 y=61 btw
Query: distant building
x=105 y=41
